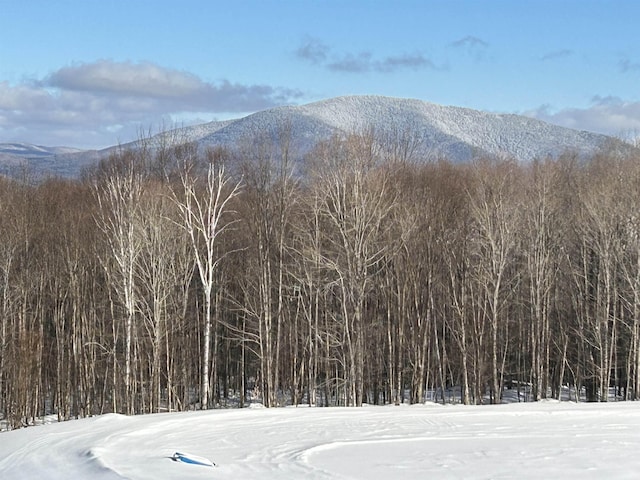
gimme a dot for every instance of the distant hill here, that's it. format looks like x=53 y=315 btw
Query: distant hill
x=16 y=158
x=458 y=134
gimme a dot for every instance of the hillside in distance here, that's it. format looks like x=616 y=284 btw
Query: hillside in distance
x=458 y=134
x=19 y=158
x=455 y=133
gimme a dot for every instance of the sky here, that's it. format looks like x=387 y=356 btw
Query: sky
x=92 y=74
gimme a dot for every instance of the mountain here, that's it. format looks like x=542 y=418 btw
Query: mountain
x=458 y=134
x=33 y=151
x=16 y=158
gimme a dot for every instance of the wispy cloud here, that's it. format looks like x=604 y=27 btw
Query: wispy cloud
x=365 y=62
x=470 y=45
x=556 y=55
x=315 y=52
x=92 y=101
x=627 y=65
x=609 y=115
x=351 y=63
x=470 y=41
x=413 y=61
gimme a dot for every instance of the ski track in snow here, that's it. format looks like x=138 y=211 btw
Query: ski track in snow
x=527 y=441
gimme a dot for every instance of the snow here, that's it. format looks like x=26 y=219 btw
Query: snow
x=455 y=132
x=519 y=440
x=30 y=151
x=458 y=134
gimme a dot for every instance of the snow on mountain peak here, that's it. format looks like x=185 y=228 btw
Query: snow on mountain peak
x=455 y=133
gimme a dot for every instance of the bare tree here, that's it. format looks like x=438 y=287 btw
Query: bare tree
x=355 y=202
x=268 y=200
x=630 y=267
x=540 y=248
x=205 y=207
x=494 y=208
x=159 y=273
x=403 y=142
x=118 y=200
x=601 y=231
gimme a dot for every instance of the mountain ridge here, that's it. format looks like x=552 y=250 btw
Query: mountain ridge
x=456 y=133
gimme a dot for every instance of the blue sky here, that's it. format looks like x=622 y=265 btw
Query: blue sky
x=95 y=73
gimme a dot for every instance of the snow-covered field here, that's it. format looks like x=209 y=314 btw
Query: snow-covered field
x=520 y=440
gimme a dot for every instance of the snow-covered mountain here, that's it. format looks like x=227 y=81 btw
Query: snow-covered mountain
x=458 y=134
x=31 y=151
x=16 y=158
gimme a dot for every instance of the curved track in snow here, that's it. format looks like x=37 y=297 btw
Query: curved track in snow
x=519 y=440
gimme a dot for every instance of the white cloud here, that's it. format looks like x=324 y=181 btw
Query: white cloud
x=144 y=79
x=607 y=115
x=85 y=103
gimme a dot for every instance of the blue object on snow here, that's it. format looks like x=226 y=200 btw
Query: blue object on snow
x=192 y=459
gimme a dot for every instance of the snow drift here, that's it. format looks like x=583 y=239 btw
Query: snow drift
x=520 y=440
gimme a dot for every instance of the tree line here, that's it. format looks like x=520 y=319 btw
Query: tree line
x=170 y=278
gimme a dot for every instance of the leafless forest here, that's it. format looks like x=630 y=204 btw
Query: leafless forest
x=169 y=278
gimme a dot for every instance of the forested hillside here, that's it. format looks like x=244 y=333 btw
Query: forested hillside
x=179 y=278
x=427 y=130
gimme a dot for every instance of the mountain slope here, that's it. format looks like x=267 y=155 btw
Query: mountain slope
x=31 y=151
x=458 y=134
x=40 y=161
x=455 y=133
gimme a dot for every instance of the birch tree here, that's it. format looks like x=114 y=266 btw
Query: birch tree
x=494 y=212
x=540 y=234
x=355 y=202
x=118 y=198
x=269 y=198
x=204 y=202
